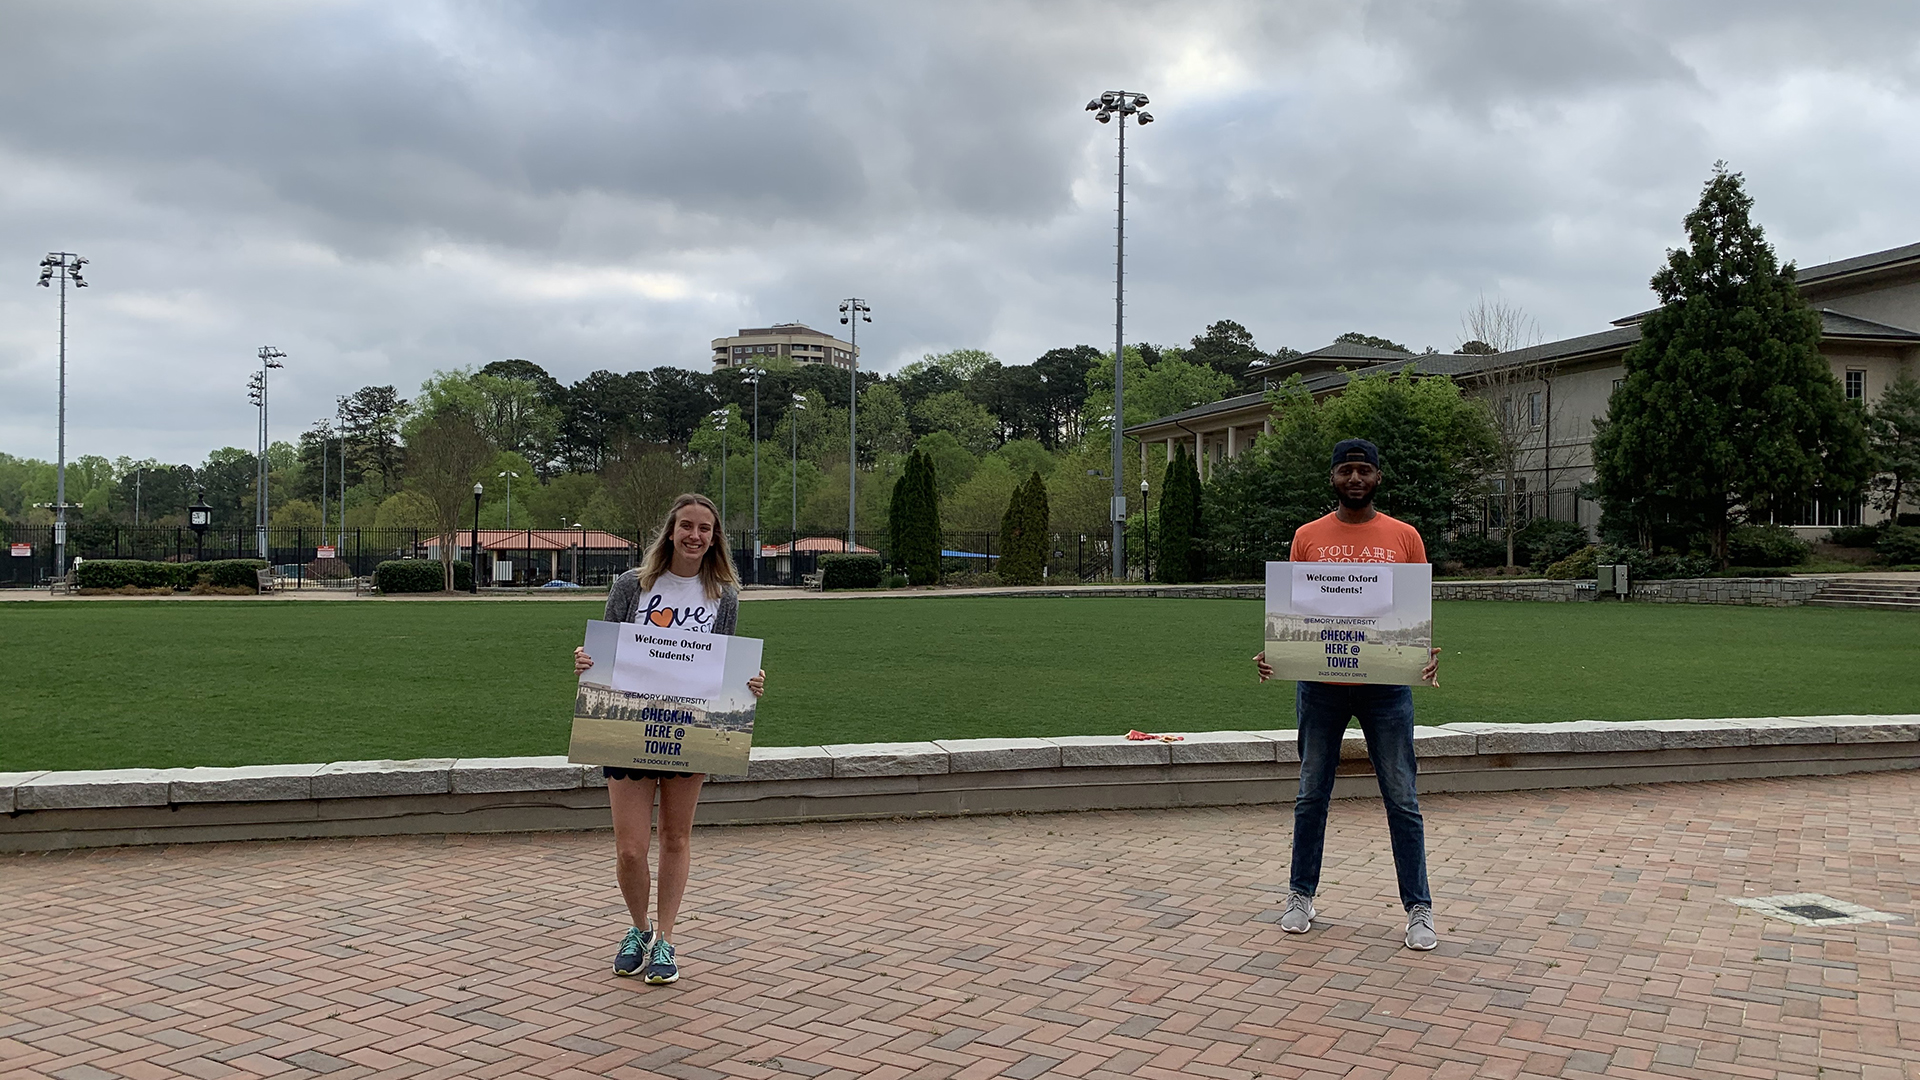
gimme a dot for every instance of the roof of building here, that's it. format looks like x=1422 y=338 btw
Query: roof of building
x=511 y=540
x=825 y=545
x=1339 y=350
x=781 y=328
x=1907 y=255
x=1617 y=340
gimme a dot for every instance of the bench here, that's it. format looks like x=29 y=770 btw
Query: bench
x=265 y=580
x=62 y=584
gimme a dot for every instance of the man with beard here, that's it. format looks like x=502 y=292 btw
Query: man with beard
x=1356 y=532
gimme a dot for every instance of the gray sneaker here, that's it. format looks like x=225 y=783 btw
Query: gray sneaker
x=1420 y=935
x=1299 y=915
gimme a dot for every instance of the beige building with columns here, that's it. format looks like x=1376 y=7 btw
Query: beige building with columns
x=1870 y=332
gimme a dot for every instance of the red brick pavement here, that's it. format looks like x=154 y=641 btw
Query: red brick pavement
x=1584 y=932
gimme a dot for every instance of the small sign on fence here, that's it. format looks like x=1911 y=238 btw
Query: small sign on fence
x=22 y=551
x=324 y=551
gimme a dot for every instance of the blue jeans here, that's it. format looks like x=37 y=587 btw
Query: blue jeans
x=1386 y=718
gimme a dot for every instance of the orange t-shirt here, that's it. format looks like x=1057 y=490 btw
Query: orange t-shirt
x=1381 y=539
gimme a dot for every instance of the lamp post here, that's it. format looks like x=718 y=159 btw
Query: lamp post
x=719 y=417
x=473 y=549
x=1121 y=103
x=199 y=516
x=793 y=476
x=340 y=537
x=753 y=375
x=270 y=358
x=64 y=265
x=515 y=476
x=853 y=312
x=1146 y=535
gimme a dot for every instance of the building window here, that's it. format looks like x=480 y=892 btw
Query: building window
x=1856 y=385
x=1533 y=409
x=1617 y=384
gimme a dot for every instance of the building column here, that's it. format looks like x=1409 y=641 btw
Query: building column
x=1198 y=447
x=1143 y=459
x=1233 y=442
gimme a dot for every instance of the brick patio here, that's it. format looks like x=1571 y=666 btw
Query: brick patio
x=1583 y=932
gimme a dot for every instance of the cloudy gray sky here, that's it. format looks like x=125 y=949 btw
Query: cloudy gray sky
x=382 y=189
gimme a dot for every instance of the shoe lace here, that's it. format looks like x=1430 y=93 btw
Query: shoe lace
x=1420 y=915
x=662 y=952
x=633 y=941
x=1298 y=902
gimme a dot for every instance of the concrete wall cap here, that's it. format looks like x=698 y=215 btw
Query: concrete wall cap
x=11 y=780
x=785 y=763
x=1211 y=747
x=1286 y=743
x=1086 y=751
x=1694 y=734
x=244 y=783
x=1439 y=742
x=1860 y=729
x=887 y=759
x=367 y=779
x=998 y=755
x=546 y=773
x=86 y=789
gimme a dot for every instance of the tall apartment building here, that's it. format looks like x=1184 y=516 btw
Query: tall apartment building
x=796 y=341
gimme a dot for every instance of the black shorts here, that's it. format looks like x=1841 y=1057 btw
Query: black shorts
x=640 y=774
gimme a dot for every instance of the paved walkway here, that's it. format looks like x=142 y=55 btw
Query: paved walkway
x=1584 y=932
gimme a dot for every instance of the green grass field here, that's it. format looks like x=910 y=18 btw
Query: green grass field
x=161 y=683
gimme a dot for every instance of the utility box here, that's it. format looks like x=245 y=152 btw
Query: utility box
x=1613 y=580
x=503 y=571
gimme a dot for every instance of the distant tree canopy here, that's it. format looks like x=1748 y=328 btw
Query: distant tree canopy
x=1354 y=337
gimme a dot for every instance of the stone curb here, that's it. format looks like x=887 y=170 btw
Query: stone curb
x=86 y=789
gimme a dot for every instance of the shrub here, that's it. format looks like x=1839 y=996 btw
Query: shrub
x=1766 y=545
x=1578 y=565
x=1644 y=567
x=232 y=573
x=1024 y=540
x=1908 y=521
x=1545 y=541
x=420 y=575
x=1475 y=551
x=913 y=522
x=134 y=573
x=1899 y=545
x=847 y=571
x=1856 y=536
x=894 y=581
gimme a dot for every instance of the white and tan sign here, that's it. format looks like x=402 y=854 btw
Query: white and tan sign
x=1349 y=622
x=671 y=701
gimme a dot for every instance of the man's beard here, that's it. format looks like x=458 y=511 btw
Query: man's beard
x=1351 y=503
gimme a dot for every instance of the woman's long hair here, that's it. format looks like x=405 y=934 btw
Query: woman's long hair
x=716 y=566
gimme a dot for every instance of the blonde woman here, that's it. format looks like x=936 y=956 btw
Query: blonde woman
x=684 y=582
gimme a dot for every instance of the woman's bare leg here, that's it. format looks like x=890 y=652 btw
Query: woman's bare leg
x=678 y=798
x=632 y=829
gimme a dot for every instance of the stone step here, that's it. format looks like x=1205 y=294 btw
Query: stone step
x=1875 y=603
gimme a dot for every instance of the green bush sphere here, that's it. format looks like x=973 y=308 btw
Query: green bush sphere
x=1899 y=545
x=1476 y=552
x=1766 y=545
x=1544 y=541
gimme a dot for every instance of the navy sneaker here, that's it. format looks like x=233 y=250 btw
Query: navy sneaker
x=633 y=951
x=661 y=969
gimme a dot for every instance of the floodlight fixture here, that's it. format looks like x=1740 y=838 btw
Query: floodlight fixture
x=1124 y=103
x=853 y=312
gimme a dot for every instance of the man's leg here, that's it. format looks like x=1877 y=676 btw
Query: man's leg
x=1321 y=713
x=1386 y=717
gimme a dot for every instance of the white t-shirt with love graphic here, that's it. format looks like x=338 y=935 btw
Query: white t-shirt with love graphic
x=677 y=603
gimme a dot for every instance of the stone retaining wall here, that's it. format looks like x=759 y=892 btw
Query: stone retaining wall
x=1769 y=591
x=55 y=810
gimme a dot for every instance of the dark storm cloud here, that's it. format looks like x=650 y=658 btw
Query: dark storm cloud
x=386 y=189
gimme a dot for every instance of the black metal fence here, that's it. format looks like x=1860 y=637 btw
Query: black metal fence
x=311 y=559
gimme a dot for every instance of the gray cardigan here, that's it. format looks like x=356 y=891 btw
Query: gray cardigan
x=623 y=602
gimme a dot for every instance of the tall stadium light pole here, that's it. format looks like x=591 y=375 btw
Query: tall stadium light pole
x=340 y=537
x=270 y=358
x=853 y=312
x=753 y=375
x=64 y=265
x=1120 y=103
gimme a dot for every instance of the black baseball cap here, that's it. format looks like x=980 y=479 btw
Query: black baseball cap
x=1356 y=450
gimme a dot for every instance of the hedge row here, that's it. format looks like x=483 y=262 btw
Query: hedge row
x=848 y=571
x=420 y=575
x=140 y=574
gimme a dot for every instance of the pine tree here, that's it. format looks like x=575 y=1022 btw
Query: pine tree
x=1728 y=413
x=1180 y=526
x=1023 y=533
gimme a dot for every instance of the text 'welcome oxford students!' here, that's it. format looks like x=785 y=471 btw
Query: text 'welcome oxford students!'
x=1356 y=532
x=686 y=578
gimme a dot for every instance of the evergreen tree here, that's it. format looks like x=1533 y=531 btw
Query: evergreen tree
x=1180 y=555
x=915 y=524
x=1896 y=444
x=1023 y=533
x=1728 y=413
